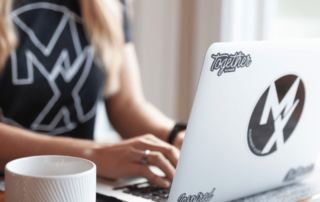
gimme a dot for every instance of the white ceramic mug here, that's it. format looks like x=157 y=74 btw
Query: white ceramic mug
x=50 y=179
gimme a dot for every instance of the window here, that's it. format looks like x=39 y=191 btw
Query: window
x=295 y=19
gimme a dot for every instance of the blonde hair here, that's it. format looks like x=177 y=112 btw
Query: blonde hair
x=7 y=35
x=103 y=22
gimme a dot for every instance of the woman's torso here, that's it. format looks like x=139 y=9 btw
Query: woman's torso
x=51 y=82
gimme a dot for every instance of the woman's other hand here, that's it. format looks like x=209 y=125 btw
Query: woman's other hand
x=179 y=139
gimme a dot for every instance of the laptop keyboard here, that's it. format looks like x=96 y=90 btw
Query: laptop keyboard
x=147 y=191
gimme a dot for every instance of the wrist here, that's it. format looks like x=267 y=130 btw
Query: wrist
x=175 y=133
x=179 y=139
x=72 y=147
x=90 y=152
x=163 y=131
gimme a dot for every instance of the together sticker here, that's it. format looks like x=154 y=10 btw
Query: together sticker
x=226 y=63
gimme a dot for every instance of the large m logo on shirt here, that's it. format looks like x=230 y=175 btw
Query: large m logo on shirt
x=59 y=54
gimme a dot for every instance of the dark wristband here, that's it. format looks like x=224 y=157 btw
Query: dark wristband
x=175 y=130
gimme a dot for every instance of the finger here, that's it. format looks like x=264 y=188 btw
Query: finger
x=144 y=171
x=155 y=159
x=158 y=141
x=170 y=152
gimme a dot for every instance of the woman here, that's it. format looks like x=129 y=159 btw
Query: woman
x=57 y=59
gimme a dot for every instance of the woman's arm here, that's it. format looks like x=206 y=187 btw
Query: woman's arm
x=129 y=112
x=16 y=143
x=113 y=161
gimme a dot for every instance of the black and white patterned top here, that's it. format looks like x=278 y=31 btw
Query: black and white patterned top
x=51 y=82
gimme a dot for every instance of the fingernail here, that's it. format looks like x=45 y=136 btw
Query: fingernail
x=165 y=184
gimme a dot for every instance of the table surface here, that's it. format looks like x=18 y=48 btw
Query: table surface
x=2 y=198
x=307 y=200
x=315 y=198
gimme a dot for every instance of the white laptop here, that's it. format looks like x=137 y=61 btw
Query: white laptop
x=254 y=126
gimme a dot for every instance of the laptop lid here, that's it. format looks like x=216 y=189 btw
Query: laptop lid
x=254 y=122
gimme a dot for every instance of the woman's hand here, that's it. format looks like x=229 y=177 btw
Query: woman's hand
x=125 y=159
x=179 y=139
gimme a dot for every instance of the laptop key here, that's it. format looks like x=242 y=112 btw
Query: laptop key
x=147 y=191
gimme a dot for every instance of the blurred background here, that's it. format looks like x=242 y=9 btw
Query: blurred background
x=171 y=38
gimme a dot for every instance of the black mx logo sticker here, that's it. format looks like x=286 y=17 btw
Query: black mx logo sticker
x=276 y=115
